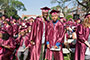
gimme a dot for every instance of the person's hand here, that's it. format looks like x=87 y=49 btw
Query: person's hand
x=89 y=48
x=7 y=47
x=25 y=49
x=55 y=47
x=70 y=36
x=33 y=43
x=87 y=43
x=67 y=28
x=66 y=43
x=48 y=46
x=22 y=50
x=73 y=43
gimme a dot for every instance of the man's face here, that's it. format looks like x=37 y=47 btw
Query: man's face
x=23 y=33
x=45 y=14
x=54 y=17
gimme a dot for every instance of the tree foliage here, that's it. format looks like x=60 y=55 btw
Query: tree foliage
x=12 y=3
x=10 y=12
x=11 y=7
x=85 y=4
x=61 y=6
x=68 y=17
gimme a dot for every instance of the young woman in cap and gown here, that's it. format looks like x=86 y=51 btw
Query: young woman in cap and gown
x=23 y=40
x=82 y=32
x=87 y=53
x=7 y=41
x=15 y=28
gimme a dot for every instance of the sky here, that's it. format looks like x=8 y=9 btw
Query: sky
x=33 y=6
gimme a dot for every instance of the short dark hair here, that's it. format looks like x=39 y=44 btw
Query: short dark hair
x=87 y=15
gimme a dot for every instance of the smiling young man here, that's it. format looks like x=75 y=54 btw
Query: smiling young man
x=38 y=33
x=54 y=37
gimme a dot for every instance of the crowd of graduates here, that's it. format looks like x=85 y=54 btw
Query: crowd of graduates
x=43 y=37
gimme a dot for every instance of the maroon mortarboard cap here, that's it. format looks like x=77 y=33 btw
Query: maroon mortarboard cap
x=7 y=19
x=70 y=19
x=45 y=9
x=27 y=24
x=22 y=29
x=31 y=18
x=38 y=17
x=14 y=20
x=54 y=12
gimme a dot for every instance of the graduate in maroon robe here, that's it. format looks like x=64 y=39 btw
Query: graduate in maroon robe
x=38 y=33
x=7 y=43
x=31 y=20
x=82 y=40
x=1 y=26
x=55 y=37
x=15 y=28
x=23 y=40
x=3 y=17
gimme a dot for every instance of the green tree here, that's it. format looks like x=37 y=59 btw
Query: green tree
x=11 y=7
x=75 y=3
x=68 y=17
x=11 y=12
x=12 y=3
x=61 y=4
x=18 y=5
x=85 y=4
x=63 y=7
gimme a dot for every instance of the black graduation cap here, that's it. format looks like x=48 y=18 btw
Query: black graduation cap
x=54 y=11
x=45 y=8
